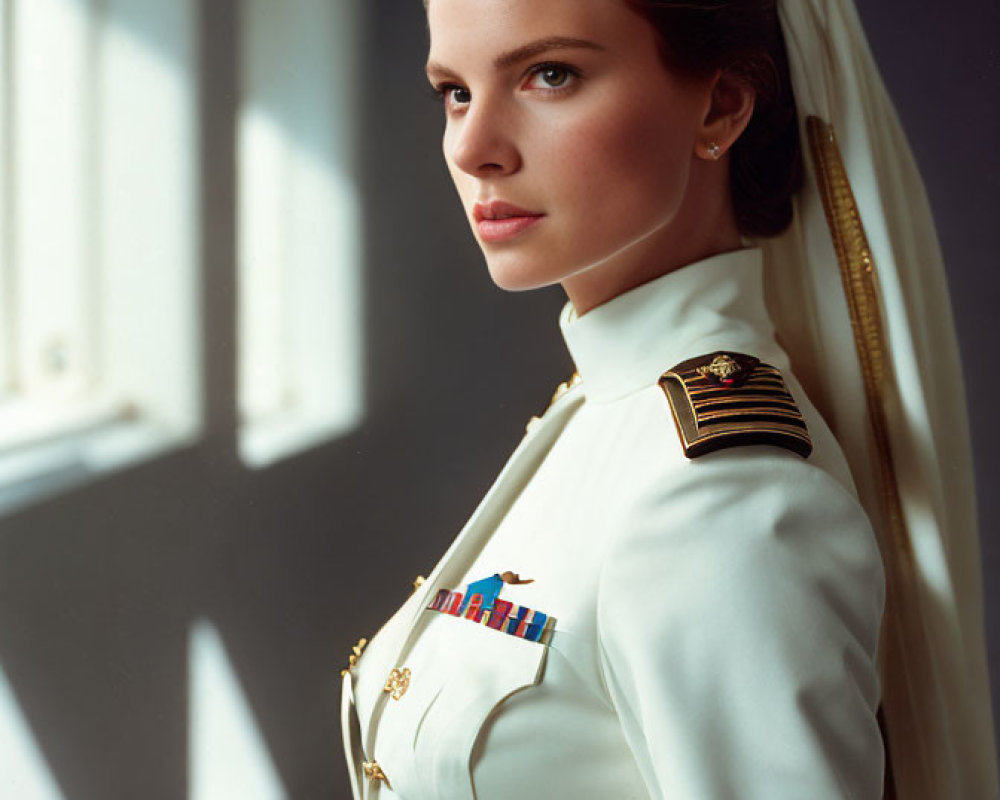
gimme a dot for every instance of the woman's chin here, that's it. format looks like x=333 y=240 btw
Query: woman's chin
x=518 y=274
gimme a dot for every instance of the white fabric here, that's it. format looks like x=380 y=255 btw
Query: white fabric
x=952 y=754
x=717 y=619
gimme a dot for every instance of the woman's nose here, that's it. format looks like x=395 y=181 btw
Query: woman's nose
x=482 y=143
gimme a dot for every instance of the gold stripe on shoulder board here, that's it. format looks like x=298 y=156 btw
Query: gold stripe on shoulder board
x=726 y=399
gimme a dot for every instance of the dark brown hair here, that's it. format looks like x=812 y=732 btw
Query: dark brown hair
x=744 y=38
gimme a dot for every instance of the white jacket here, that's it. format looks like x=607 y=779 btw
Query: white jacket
x=716 y=618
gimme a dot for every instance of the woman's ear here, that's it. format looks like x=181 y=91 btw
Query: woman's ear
x=730 y=110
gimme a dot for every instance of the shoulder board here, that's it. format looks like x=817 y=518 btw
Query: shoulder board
x=726 y=399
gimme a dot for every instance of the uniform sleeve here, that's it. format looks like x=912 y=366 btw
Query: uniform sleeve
x=738 y=617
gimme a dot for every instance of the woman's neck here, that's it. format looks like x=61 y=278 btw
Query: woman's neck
x=704 y=226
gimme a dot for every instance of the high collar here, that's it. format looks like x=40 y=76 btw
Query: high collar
x=628 y=342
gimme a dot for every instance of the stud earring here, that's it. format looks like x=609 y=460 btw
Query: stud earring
x=714 y=150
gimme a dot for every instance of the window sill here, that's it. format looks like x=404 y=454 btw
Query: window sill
x=266 y=441
x=47 y=467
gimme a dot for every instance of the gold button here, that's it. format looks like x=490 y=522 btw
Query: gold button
x=418 y=582
x=374 y=772
x=355 y=655
x=397 y=683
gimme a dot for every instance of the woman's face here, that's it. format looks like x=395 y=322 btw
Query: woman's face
x=573 y=149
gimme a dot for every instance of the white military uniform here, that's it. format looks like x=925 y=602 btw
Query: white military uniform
x=716 y=618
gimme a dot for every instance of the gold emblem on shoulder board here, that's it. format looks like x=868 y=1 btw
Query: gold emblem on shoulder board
x=721 y=367
x=726 y=370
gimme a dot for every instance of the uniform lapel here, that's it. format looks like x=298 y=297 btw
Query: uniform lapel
x=351 y=732
x=522 y=464
x=512 y=479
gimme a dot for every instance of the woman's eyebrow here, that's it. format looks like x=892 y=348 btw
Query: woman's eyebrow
x=529 y=50
x=540 y=46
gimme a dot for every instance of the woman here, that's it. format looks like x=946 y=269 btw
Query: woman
x=676 y=586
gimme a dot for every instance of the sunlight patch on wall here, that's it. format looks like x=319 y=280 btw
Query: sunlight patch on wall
x=300 y=348
x=23 y=772
x=228 y=757
x=99 y=239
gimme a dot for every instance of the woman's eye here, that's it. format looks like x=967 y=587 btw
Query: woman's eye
x=454 y=95
x=551 y=76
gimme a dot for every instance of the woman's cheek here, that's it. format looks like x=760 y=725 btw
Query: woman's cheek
x=624 y=184
x=626 y=148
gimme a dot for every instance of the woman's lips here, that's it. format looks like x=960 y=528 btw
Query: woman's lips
x=499 y=221
x=497 y=230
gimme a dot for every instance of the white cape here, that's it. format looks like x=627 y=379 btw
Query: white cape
x=936 y=697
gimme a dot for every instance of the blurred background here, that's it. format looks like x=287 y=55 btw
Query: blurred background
x=254 y=376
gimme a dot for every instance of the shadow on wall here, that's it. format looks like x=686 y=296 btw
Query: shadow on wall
x=227 y=756
x=155 y=612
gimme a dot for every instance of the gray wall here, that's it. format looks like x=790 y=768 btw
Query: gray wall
x=294 y=563
x=943 y=70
